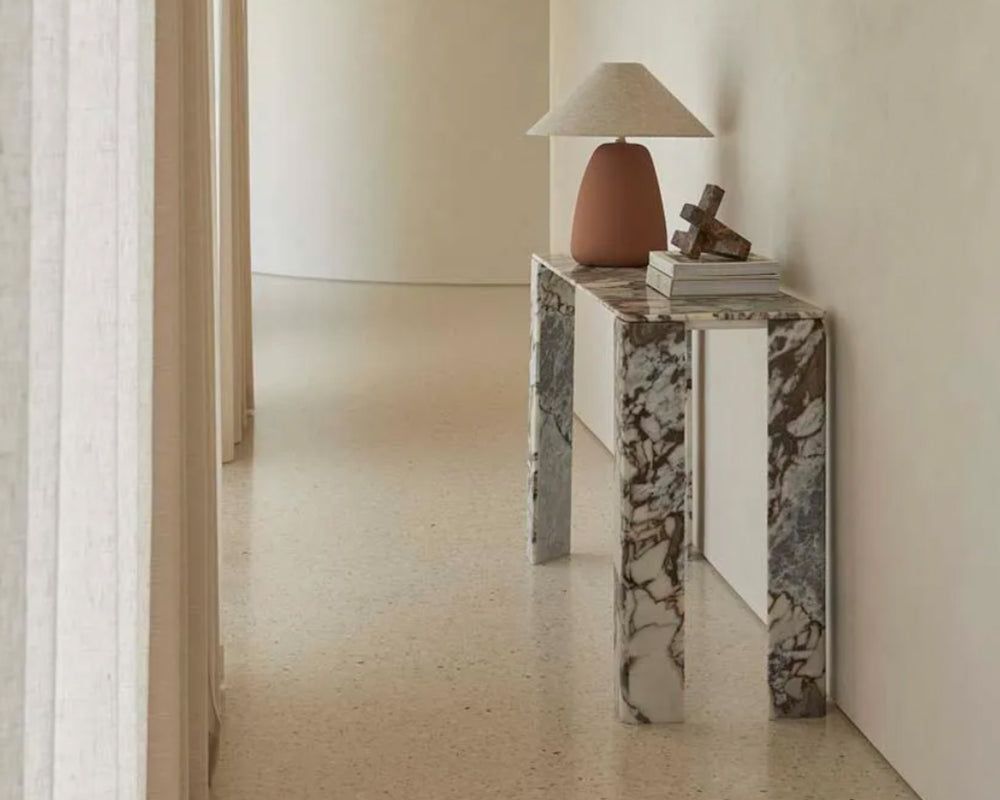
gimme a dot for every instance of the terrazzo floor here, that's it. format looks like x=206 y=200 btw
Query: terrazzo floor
x=385 y=637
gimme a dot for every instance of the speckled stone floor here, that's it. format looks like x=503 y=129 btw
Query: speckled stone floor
x=385 y=637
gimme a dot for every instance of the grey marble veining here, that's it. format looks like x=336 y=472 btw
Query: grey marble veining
x=624 y=292
x=796 y=517
x=651 y=388
x=652 y=457
x=551 y=415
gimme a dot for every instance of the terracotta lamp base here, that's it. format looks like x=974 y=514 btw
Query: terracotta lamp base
x=619 y=211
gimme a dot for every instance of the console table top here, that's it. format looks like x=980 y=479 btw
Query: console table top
x=624 y=292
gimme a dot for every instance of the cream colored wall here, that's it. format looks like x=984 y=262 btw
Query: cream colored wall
x=858 y=142
x=734 y=504
x=387 y=138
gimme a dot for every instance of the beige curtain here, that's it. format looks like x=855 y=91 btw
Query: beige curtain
x=76 y=274
x=184 y=663
x=235 y=328
x=89 y=248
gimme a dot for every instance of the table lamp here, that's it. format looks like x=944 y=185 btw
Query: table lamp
x=619 y=211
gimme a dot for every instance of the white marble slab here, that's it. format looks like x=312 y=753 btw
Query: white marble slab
x=624 y=292
x=651 y=388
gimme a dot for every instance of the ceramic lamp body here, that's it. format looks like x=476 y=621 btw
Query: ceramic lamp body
x=619 y=211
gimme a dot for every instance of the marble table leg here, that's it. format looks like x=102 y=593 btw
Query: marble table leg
x=651 y=387
x=690 y=545
x=796 y=518
x=550 y=458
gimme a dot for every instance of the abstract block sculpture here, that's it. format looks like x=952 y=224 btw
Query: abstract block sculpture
x=707 y=234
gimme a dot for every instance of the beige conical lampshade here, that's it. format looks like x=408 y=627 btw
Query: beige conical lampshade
x=620 y=99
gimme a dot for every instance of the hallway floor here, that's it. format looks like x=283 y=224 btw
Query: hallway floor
x=384 y=635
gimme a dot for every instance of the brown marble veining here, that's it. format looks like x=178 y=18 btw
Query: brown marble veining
x=624 y=292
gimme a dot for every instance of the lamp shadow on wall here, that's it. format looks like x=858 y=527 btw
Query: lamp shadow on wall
x=728 y=109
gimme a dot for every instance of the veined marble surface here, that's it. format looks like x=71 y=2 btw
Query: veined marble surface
x=652 y=385
x=550 y=446
x=624 y=292
x=796 y=518
x=651 y=389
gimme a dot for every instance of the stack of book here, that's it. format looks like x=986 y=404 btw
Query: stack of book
x=675 y=275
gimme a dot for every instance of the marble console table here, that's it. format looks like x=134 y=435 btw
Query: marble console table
x=652 y=381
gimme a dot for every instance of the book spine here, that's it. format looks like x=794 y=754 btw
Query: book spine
x=664 y=267
x=715 y=270
x=728 y=277
x=658 y=281
x=722 y=289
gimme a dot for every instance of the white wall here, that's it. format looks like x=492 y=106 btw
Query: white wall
x=387 y=138
x=858 y=143
x=734 y=503
x=594 y=349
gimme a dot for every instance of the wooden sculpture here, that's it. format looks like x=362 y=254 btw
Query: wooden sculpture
x=707 y=234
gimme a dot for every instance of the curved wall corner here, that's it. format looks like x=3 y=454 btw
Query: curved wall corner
x=387 y=138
